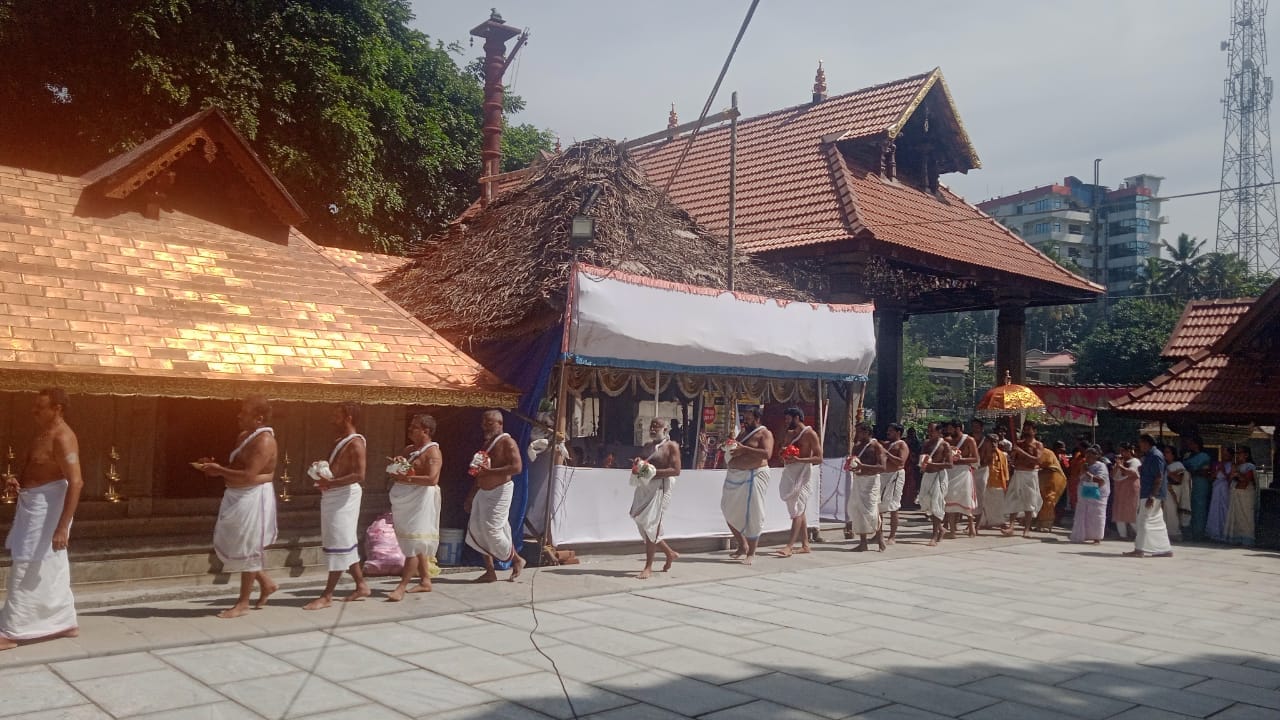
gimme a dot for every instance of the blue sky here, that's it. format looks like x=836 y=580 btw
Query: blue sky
x=1043 y=88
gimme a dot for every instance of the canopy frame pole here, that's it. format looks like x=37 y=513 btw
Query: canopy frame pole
x=562 y=393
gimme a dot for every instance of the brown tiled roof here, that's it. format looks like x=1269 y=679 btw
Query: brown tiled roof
x=1202 y=323
x=367 y=266
x=1236 y=378
x=186 y=307
x=796 y=187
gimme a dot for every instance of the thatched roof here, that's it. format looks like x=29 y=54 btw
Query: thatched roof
x=503 y=271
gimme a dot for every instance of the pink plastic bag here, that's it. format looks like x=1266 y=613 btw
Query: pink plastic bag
x=385 y=557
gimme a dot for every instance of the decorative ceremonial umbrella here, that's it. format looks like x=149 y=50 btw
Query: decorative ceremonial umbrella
x=1009 y=399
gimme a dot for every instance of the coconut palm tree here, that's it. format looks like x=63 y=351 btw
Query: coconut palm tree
x=1153 y=279
x=1223 y=275
x=1183 y=268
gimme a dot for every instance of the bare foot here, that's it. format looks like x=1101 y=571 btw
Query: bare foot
x=973 y=532
x=7 y=644
x=645 y=574
x=488 y=577
x=748 y=559
x=671 y=557
x=804 y=550
x=950 y=535
x=319 y=603
x=234 y=611
x=1006 y=531
x=263 y=594
x=361 y=592
x=783 y=553
x=880 y=543
x=1134 y=554
x=421 y=587
x=931 y=543
x=517 y=565
x=735 y=554
x=1026 y=533
x=396 y=595
x=862 y=547
x=75 y=631
x=890 y=540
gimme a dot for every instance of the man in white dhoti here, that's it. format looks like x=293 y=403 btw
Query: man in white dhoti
x=962 y=499
x=489 y=529
x=1152 y=538
x=896 y=455
x=38 y=601
x=415 y=505
x=981 y=469
x=652 y=495
x=1023 y=494
x=935 y=461
x=745 y=483
x=801 y=452
x=340 y=507
x=866 y=462
x=247 y=517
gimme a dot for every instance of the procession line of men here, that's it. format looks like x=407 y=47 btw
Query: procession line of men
x=39 y=604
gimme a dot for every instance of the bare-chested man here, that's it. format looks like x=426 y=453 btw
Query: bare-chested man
x=894 y=478
x=935 y=461
x=340 y=507
x=745 y=483
x=415 y=506
x=649 y=503
x=489 y=530
x=962 y=497
x=38 y=600
x=797 y=477
x=1023 y=496
x=868 y=462
x=247 y=517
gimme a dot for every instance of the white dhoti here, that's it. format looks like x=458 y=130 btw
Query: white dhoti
x=864 y=503
x=339 y=520
x=1151 y=535
x=933 y=494
x=980 y=475
x=415 y=512
x=649 y=504
x=891 y=484
x=489 y=530
x=38 y=601
x=961 y=497
x=1023 y=495
x=795 y=488
x=246 y=526
x=742 y=501
x=993 y=502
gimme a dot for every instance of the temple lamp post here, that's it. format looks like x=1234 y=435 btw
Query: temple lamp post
x=582 y=232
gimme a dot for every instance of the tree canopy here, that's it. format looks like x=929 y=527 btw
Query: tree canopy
x=1125 y=348
x=372 y=125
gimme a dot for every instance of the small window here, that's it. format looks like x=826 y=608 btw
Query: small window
x=1075 y=229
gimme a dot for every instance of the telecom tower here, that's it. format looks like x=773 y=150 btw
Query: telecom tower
x=1247 y=212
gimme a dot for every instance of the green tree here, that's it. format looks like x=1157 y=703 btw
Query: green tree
x=1126 y=348
x=1182 y=271
x=344 y=101
x=917 y=390
x=521 y=145
x=1152 y=280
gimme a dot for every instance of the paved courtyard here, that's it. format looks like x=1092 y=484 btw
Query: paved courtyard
x=986 y=629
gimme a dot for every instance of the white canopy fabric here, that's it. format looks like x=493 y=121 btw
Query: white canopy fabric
x=622 y=320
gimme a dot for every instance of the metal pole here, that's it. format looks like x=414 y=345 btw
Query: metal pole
x=733 y=179
x=1099 y=270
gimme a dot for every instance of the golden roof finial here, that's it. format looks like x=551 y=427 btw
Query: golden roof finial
x=820 y=84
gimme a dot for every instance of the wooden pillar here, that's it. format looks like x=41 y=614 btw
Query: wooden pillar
x=889 y=322
x=1011 y=355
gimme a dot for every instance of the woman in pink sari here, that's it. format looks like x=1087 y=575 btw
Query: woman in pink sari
x=1125 y=491
x=1090 y=523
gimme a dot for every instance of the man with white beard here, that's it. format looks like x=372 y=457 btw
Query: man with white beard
x=653 y=494
x=801 y=451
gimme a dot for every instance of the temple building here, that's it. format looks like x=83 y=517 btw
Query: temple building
x=851 y=185
x=159 y=289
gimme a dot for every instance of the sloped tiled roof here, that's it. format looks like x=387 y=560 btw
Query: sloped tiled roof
x=796 y=187
x=1236 y=378
x=183 y=306
x=367 y=266
x=1202 y=323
